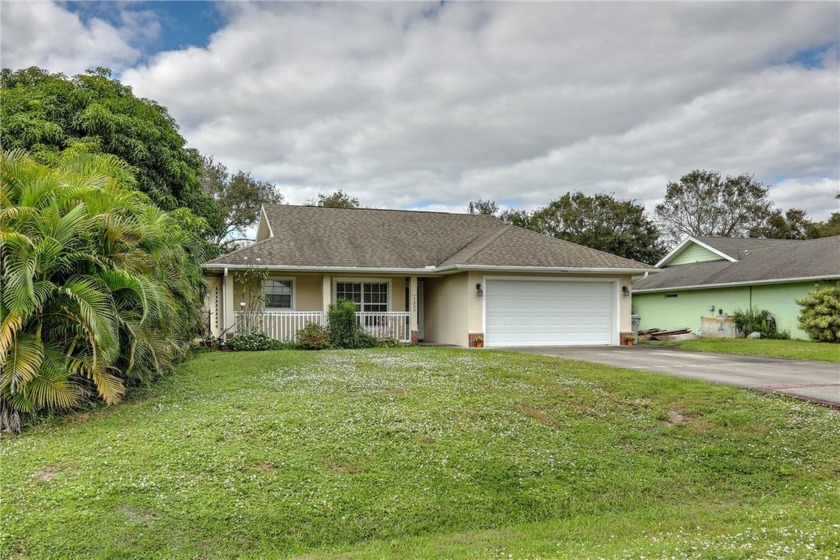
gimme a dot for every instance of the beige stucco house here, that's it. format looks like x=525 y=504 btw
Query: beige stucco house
x=423 y=276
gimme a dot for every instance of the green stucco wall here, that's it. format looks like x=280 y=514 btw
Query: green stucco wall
x=685 y=310
x=694 y=253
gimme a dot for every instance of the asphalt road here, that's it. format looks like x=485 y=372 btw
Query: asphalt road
x=815 y=381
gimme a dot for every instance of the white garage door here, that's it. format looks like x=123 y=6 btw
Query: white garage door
x=536 y=313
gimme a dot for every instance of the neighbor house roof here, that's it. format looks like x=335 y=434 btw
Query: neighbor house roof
x=757 y=261
x=305 y=237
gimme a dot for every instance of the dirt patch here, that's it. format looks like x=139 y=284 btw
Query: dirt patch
x=335 y=467
x=395 y=391
x=47 y=473
x=265 y=467
x=138 y=516
x=427 y=440
x=674 y=417
x=677 y=417
x=540 y=416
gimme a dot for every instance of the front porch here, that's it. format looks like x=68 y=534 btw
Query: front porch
x=284 y=325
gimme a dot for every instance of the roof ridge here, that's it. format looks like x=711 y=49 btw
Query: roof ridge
x=406 y=210
x=482 y=245
x=255 y=243
x=582 y=246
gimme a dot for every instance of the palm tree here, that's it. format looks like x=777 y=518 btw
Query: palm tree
x=99 y=288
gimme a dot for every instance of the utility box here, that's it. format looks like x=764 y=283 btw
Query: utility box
x=718 y=327
x=635 y=321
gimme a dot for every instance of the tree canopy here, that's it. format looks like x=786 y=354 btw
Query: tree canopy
x=338 y=199
x=238 y=196
x=704 y=203
x=601 y=222
x=99 y=287
x=46 y=113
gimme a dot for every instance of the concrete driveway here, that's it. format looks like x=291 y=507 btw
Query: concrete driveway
x=814 y=381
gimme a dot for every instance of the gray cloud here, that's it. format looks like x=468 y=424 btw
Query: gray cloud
x=422 y=105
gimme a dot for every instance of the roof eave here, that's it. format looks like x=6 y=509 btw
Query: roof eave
x=737 y=284
x=431 y=270
x=296 y=268
x=453 y=268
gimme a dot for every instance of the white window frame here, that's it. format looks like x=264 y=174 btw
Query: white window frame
x=365 y=281
x=291 y=282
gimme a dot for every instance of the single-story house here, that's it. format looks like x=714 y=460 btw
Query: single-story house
x=423 y=276
x=715 y=276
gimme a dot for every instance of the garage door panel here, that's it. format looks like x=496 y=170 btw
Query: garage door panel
x=528 y=312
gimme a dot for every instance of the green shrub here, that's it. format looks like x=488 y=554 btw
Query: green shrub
x=343 y=324
x=313 y=337
x=361 y=339
x=820 y=313
x=345 y=330
x=254 y=341
x=761 y=321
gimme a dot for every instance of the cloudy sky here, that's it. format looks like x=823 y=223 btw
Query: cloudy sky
x=431 y=105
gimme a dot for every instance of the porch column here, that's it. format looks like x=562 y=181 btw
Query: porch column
x=230 y=306
x=326 y=295
x=413 y=323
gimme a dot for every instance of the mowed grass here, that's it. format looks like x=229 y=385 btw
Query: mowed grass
x=791 y=349
x=418 y=453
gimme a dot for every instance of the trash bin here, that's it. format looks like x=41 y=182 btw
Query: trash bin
x=635 y=321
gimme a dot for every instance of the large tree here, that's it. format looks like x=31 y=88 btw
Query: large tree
x=338 y=199
x=601 y=222
x=828 y=228
x=704 y=203
x=238 y=196
x=508 y=215
x=791 y=224
x=46 y=113
x=99 y=287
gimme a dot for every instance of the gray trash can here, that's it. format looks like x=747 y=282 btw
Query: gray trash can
x=635 y=321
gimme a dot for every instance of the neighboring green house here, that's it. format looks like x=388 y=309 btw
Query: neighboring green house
x=704 y=275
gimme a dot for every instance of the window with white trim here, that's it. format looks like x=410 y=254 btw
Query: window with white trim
x=370 y=297
x=278 y=294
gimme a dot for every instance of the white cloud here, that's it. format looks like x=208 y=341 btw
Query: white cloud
x=48 y=35
x=422 y=105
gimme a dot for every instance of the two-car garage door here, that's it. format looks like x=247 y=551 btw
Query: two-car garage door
x=522 y=312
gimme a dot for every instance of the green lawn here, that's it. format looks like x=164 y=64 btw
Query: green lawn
x=418 y=452
x=793 y=349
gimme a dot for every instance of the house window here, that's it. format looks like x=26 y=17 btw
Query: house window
x=370 y=297
x=278 y=294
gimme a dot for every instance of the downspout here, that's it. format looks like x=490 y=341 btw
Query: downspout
x=224 y=300
x=750 y=308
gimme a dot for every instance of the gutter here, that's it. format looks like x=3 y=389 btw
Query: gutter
x=450 y=269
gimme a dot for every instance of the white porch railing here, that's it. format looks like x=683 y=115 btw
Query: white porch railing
x=386 y=324
x=284 y=325
x=280 y=325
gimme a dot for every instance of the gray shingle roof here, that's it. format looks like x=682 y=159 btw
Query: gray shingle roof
x=735 y=247
x=765 y=261
x=306 y=236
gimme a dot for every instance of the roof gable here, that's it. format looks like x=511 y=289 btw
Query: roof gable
x=692 y=251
